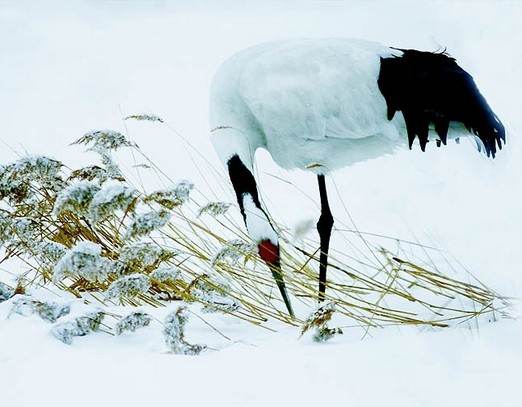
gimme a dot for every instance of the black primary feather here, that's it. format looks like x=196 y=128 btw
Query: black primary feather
x=431 y=88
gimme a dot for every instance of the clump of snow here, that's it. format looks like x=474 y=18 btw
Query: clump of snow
x=166 y=274
x=109 y=199
x=6 y=292
x=83 y=260
x=129 y=286
x=214 y=294
x=143 y=255
x=146 y=223
x=174 y=332
x=132 y=322
x=80 y=326
x=233 y=251
x=75 y=198
x=145 y=117
x=174 y=196
x=47 y=310
x=214 y=208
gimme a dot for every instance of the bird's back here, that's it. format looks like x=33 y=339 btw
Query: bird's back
x=311 y=103
x=319 y=103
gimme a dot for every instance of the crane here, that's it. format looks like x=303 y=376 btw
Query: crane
x=320 y=104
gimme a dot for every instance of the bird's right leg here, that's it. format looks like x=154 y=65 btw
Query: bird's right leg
x=256 y=220
x=324 y=227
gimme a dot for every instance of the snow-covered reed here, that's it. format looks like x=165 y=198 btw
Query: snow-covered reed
x=94 y=234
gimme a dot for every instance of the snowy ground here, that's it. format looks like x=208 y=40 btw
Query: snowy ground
x=72 y=67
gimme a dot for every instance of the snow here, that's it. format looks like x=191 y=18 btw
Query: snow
x=76 y=66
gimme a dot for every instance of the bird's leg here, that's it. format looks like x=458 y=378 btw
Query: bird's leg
x=324 y=227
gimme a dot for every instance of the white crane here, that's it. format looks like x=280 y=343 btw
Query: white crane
x=319 y=104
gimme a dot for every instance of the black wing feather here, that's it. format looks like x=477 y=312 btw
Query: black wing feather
x=432 y=88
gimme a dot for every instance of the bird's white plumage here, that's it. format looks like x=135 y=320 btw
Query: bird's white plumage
x=257 y=224
x=314 y=104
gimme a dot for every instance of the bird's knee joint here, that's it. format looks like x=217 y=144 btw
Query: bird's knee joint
x=325 y=222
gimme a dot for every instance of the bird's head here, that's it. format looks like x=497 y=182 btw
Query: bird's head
x=261 y=231
x=269 y=253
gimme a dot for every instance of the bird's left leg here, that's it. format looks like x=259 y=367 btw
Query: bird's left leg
x=324 y=227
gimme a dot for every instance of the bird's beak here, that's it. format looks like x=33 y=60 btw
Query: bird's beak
x=270 y=254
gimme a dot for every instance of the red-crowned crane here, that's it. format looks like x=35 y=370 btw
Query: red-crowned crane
x=319 y=104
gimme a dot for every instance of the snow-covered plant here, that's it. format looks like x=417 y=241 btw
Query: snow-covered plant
x=89 y=322
x=233 y=252
x=23 y=230
x=166 y=274
x=323 y=333
x=80 y=326
x=110 y=199
x=174 y=196
x=132 y=322
x=22 y=306
x=75 y=198
x=104 y=140
x=144 y=224
x=214 y=208
x=49 y=311
x=174 y=332
x=6 y=224
x=90 y=173
x=50 y=253
x=112 y=170
x=83 y=260
x=6 y=292
x=319 y=319
x=16 y=191
x=145 y=117
x=129 y=286
x=37 y=168
x=16 y=178
x=144 y=255
x=213 y=294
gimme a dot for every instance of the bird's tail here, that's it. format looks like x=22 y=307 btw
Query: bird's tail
x=431 y=88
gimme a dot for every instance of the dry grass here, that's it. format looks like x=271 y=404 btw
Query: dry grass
x=371 y=286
